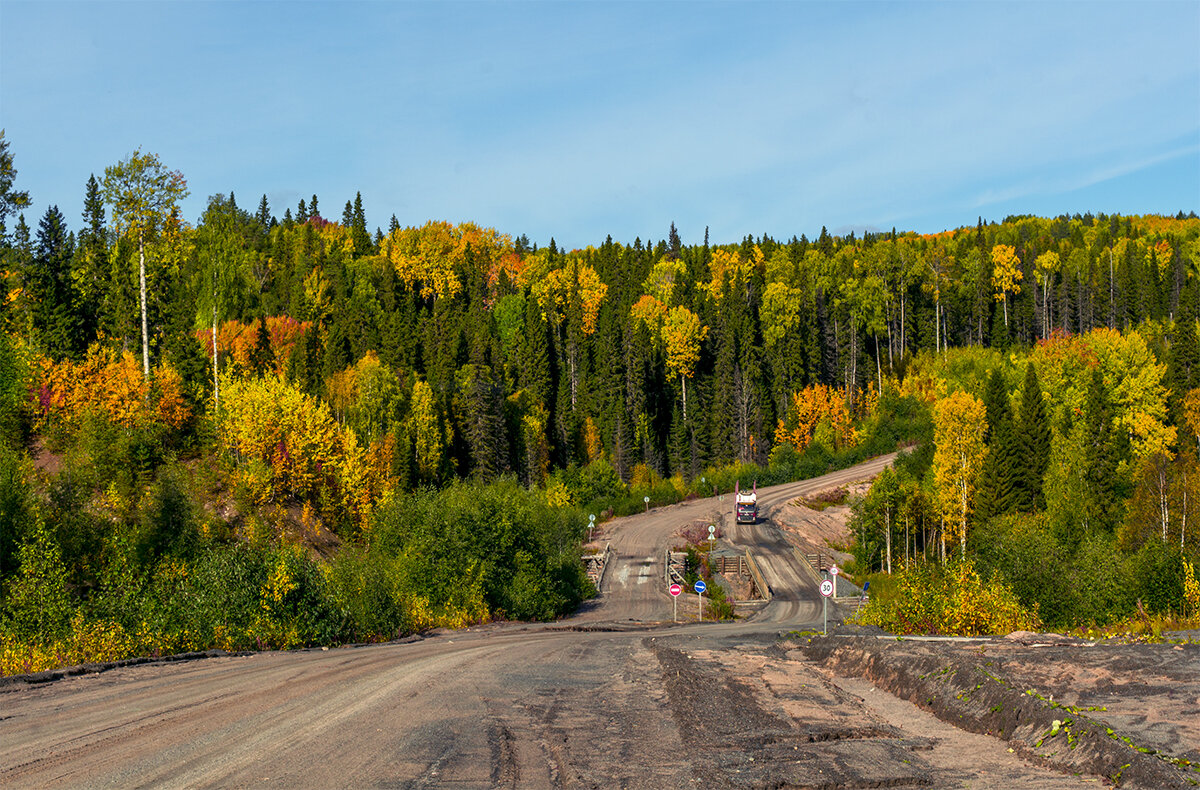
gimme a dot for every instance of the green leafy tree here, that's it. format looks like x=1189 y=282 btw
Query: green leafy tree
x=142 y=193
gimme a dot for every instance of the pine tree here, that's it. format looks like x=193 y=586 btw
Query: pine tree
x=1100 y=461
x=312 y=208
x=90 y=267
x=1000 y=475
x=535 y=355
x=265 y=220
x=301 y=212
x=262 y=357
x=358 y=219
x=48 y=288
x=348 y=215
x=480 y=409
x=10 y=199
x=1183 y=358
x=674 y=244
x=1033 y=436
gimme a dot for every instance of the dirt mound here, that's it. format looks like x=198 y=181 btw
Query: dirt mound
x=1000 y=688
x=815 y=532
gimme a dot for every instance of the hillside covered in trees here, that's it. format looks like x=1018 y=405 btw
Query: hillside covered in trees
x=183 y=404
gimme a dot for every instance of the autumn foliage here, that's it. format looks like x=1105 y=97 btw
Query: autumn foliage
x=950 y=600
x=812 y=407
x=111 y=384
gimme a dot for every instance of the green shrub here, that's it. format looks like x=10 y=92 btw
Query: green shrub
x=954 y=599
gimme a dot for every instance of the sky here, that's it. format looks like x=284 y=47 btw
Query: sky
x=580 y=120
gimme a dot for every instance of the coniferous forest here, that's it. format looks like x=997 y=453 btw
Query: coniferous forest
x=272 y=426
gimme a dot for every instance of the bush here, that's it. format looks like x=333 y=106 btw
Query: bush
x=954 y=599
x=1156 y=571
x=495 y=546
x=1101 y=588
x=16 y=508
x=1022 y=549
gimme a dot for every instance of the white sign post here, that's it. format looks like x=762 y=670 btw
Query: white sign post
x=700 y=588
x=712 y=536
x=826 y=592
x=675 y=591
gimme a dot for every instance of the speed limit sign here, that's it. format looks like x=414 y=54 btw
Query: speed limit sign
x=827 y=588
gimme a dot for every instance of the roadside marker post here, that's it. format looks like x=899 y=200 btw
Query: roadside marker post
x=712 y=536
x=826 y=591
x=700 y=588
x=646 y=499
x=675 y=591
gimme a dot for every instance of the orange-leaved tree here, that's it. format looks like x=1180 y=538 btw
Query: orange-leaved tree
x=808 y=409
x=109 y=384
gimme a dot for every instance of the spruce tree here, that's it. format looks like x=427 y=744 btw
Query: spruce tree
x=1033 y=436
x=1000 y=477
x=264 y=214
x=1183 y=358
x=1100 y=461
x=535 y=355
x=90 y=267
x=262 y=357
x=48 y=288
x=358 y=226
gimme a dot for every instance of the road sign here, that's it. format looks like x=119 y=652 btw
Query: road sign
x=592 y=517
x=701 y=587
x=712 y=528
x=834 y=570
x=827 y=588
x=676 y=589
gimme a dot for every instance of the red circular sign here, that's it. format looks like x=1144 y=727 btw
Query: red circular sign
x=676 y=589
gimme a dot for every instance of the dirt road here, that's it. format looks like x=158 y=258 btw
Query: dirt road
x=615 y=697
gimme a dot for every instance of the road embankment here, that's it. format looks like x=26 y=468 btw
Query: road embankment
x=999 y=687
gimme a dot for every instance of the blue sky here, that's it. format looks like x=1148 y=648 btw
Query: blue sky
x=580 y=120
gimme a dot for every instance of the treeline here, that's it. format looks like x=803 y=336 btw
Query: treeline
x=513 y=358
x=173 y=392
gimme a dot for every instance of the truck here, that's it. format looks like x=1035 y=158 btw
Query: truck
x=745 y=504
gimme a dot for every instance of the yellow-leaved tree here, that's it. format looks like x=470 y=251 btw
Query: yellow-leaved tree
x=1006 y=274
x=958 y=425
x=682 y=335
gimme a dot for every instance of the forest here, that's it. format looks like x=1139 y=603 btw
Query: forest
x=264 y=430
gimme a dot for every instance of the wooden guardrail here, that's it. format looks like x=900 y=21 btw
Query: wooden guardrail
x=596 y=564
x=764 y=589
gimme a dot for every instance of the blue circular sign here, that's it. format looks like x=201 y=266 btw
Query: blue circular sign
x=701 y=586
